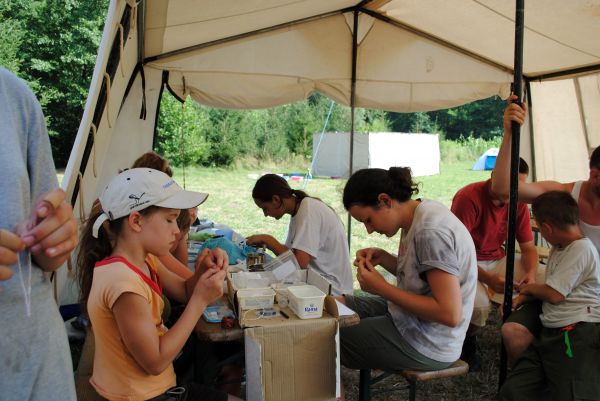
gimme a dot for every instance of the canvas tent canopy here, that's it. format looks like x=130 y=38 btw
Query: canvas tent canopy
x=397 y=55
x=487 y=160
x=331 y=153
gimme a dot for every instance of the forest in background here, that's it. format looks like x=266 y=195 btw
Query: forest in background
x=52 y=44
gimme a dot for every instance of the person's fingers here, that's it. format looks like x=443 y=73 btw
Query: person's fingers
x=5 y=273
x=49 y=202
x=199 y=264
x=63 y=247
x=62 y=239
x=11 y=241
x=359 y=274
x=207 y=275
x=221 y=258
x=62 y=215
x=43 y=208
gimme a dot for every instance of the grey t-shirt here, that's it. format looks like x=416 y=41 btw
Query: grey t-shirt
x=573 y=271
x=35 y=353
x=435 y=240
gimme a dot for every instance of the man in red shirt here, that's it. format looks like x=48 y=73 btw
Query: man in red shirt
x=486 y=218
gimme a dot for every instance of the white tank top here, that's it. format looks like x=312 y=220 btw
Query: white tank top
x=590 y=231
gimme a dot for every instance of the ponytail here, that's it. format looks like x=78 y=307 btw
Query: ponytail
x=92 y=250
x=364 y=186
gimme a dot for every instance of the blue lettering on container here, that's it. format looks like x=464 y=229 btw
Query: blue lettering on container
x=311 y=308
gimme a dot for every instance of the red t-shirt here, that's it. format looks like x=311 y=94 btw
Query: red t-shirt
x=487 y=223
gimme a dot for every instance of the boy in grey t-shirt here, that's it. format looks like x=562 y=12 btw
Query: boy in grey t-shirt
x=564 y=360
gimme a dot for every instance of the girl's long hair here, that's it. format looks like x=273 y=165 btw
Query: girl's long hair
x=93 y=250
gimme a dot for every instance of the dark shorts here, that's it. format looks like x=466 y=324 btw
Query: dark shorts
x=546 y=371
x=376 y=343
x=528 y=315
x=191 y=392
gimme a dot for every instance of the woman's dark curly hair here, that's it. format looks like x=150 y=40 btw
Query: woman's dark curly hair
x=364 y=186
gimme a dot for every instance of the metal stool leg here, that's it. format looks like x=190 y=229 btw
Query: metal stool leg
x=412 y=390
x=364 y=385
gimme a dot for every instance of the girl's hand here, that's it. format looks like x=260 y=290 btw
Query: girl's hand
x=51 y=231
x=258 y=240
x=368 y=258
x=212 y=259
x=209 y=286
x=10 y=244
x=370 y=280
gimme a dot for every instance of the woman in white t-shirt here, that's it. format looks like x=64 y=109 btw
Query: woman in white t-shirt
x=316 y=234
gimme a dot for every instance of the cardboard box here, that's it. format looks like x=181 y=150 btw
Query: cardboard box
x=293 y=361
x=288 y=358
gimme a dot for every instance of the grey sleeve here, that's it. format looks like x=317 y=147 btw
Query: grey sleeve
x=40 y=165
x=436 y=250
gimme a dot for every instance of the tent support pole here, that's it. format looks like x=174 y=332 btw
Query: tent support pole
x=531 y=130
x=514 y=179
x=352 y=107
x=586 y=133
x=590 y=69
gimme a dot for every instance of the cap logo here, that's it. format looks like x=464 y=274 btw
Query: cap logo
x=137 y=200
x=168 y=184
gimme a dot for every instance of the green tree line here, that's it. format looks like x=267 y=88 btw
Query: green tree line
x=52 y=44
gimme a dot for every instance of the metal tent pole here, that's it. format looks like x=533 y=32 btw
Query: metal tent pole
x=514 y=178
x=352 y=106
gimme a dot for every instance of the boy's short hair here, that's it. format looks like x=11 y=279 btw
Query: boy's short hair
x=557 y=208
x=523 y=166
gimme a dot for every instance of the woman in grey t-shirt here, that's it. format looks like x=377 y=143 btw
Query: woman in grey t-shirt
x=420 y=322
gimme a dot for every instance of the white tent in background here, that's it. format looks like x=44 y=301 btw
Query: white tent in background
x=487 y=160
x=331 y=153
x=397 y=55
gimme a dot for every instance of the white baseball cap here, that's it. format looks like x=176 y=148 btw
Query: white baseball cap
x=138 y=188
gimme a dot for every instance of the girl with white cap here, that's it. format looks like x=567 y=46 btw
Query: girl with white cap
x=122 y=283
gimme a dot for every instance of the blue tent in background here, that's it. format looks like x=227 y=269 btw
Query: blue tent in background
x=487 y=160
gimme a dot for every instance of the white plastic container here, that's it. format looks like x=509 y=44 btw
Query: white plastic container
x=256 y=298
x=306 y=301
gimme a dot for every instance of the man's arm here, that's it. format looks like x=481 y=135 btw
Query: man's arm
x=494 y=281
x=501 y=176
x=529 y=262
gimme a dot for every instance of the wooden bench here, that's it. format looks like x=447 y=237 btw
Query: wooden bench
x=458 y=368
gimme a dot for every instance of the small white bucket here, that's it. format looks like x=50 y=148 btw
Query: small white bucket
x=306 y=301
x=256 y=298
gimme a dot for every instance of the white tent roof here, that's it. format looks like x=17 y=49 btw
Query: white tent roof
x=411 y=55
